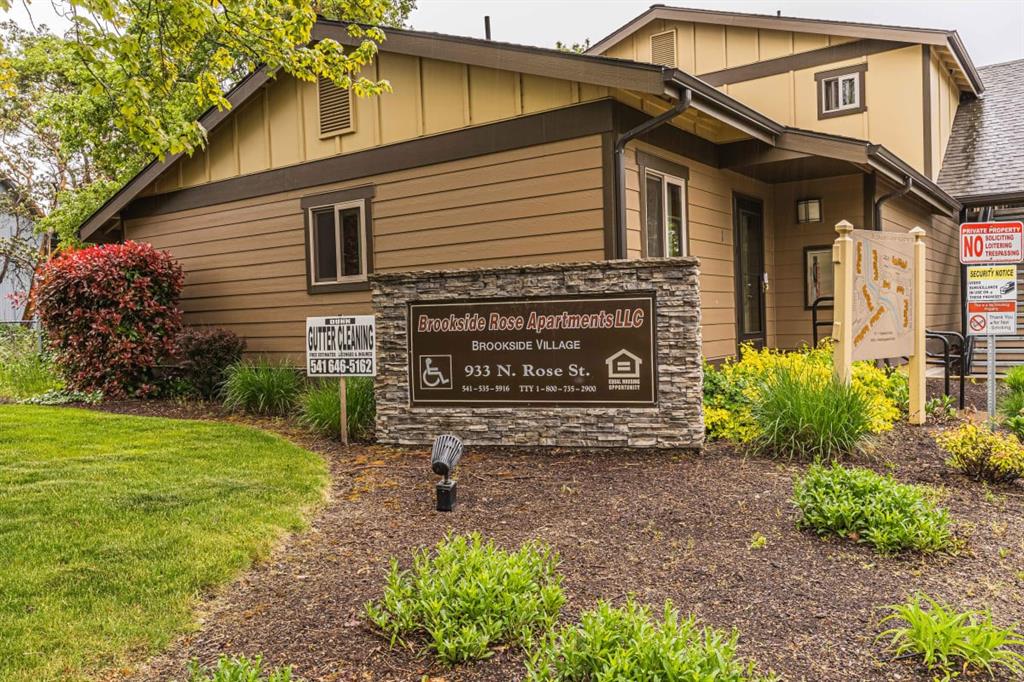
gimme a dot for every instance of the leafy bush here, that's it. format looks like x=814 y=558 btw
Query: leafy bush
x=240 y=669
x=953 y=642
x=203 y=355
x=1016 y=426
x=731 y=389
x=261 y=387
x=806 y=415
x=467 y=596
x=982 y=454
x=64 y=397
x=24 y=370
x=320 y=406
x=110 y=312
x=1011 y=404
x=869 y=508
x=941 y=407
x=1015 y=379
x=628 y=644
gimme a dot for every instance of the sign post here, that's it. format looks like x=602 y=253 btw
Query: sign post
x=992 y=251
x=341 y=346
x=880 y=300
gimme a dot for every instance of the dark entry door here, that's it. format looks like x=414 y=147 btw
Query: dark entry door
x=751 y=279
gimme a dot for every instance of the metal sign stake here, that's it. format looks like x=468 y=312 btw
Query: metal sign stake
x=343 y=411
x=991 y=366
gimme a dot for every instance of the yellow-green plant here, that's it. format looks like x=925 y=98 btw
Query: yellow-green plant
x=951 y=641
x=982 y=454
x=732 y=388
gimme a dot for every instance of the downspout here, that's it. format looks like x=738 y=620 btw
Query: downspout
x=620 y=166
x=908 y=184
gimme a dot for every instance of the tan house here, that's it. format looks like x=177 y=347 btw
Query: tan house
x=739 y=139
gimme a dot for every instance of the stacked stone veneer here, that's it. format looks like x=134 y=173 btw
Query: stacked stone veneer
x=675 y=422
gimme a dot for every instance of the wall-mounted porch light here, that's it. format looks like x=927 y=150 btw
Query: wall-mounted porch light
x=808 y=211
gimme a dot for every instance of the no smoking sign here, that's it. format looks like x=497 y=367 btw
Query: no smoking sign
x=992 y=318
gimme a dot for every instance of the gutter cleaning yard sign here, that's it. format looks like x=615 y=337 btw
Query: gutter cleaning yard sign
x=342 y=346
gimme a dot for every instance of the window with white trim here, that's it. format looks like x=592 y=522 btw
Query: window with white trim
x=337 y=239
x=840 y=93
x=665 y=215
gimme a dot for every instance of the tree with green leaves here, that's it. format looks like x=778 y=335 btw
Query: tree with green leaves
x=83 y=112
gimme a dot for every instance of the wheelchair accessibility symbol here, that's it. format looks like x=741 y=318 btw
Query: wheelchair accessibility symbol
x=436 y=372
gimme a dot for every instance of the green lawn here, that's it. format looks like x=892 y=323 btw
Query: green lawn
x=111 y=527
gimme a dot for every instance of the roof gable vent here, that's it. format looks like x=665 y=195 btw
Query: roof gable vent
x=663 y=48
x=335 y=108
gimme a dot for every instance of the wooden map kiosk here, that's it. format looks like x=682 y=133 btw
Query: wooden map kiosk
x=880 y=303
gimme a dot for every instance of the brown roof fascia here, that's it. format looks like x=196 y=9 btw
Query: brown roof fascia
x=850 y=29
x=213 y=116
x=539 y=61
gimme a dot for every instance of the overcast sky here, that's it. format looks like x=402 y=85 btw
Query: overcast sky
x=992 y=29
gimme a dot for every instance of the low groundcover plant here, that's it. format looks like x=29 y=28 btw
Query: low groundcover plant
x=465 y=596
x=239 y=669
x=866 y=507
x=983 y=454
x=626 y=643
x=951 y=641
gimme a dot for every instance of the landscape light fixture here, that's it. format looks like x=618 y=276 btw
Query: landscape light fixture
x=808 y=211
x=444 y=457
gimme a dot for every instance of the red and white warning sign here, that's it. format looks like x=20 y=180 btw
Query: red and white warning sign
x=997 y=318
x=982 y=243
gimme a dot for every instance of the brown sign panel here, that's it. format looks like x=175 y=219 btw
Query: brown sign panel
x=583 y=350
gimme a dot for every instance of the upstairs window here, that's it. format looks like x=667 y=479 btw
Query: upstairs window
x=338 y=242
x=841 y=91
x=335 y=108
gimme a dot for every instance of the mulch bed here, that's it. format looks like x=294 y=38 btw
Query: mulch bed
x=653 y=524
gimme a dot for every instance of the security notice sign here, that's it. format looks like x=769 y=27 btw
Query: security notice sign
x=997 y=318
x=342 y=346
x=982 y=243
x=992 y=283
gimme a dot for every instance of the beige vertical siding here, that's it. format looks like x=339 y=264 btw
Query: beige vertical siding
x=279 y=126
x=710 y=228
x=702 y=48
x=245 y=260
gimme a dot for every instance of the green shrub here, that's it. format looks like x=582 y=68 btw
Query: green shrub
x=261 y=387
x=320 y=405
x=809 y=416
x=628 y=644
x=466 y=596
x=24 y=371
x=1016 y=426
x=239 y=669
x=866 y=507
x=203 y=355
x=1015 y=379
x=941 y=407
x=732 y=388
x=982 y=454
x=952 y=642
x=1011 y=404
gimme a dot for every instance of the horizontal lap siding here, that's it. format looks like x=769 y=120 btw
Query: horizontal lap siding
x=943 y=257
x=710 y=229
x=245 y=261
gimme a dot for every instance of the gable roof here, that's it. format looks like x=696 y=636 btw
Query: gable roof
x=607 y=71
x=948 y=41
x=985 y=157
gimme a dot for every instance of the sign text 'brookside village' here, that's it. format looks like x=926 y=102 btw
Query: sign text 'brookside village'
x=566 y=351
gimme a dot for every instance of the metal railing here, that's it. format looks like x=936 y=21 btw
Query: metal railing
x=955 y=348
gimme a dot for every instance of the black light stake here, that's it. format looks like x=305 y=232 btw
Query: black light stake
x=444 y=457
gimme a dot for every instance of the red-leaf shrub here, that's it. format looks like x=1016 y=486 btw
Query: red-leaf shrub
x=203 y=353
x=111 y=314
